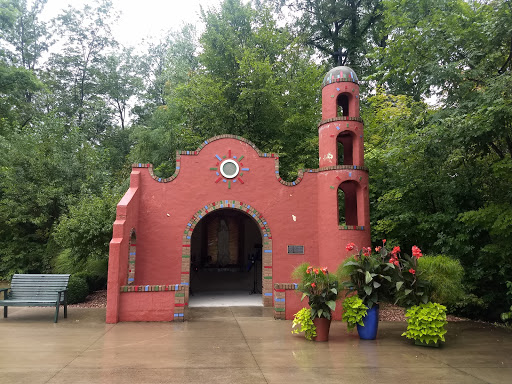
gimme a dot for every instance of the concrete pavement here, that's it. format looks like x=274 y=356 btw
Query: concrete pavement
x=237 y=345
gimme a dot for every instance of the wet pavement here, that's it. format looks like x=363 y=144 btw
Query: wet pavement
x=237 y=345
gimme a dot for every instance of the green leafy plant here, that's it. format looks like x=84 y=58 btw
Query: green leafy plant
x=354 y=310
x=445 y=275
x=368 y=273
x=320 y=287
x=78 y=289
x=304 y=320
x=425 y=323
x=507 y=316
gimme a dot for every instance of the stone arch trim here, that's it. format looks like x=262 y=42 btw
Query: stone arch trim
x=266 y=235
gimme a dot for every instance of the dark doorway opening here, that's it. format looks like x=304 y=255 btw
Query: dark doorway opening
x=226 y=255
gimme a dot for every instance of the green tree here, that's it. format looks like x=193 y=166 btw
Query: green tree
x=344 y=32
x=73 y=71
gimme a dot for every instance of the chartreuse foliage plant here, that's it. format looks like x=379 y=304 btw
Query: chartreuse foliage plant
x=354 y=310
x=304 y=320
x=320 y=287
x=425 y=323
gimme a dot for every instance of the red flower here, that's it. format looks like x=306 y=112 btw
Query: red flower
x=316 y=271
x=350 y=246
x=383 y=241
x=313 y=285
x=308 y=271
x=367 y=251
x=324 y=270
x=416 y=252
x=377 y=249
x=395 y=250
x=412 y=271
x=396 y=262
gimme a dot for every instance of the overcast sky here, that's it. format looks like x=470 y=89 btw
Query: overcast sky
x=142 y=18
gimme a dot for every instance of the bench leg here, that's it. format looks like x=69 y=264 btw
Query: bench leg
x=5 y=312
x=65 y=310
x=56 y=312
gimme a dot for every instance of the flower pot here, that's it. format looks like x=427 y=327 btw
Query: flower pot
x=371 y=324
x=322 y=325
x=422 y=344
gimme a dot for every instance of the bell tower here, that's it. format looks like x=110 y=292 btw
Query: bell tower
x=340 y=107
x=343 y=204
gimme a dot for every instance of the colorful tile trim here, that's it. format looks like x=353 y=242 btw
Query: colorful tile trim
x=266 y=235
x=180 y=296
x=132 y=250
x=161 y=179
x=280 y=299
x=300 y=172
x=340 y=118
x=351 y=227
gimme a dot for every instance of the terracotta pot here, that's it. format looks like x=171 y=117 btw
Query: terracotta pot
x=322 y=325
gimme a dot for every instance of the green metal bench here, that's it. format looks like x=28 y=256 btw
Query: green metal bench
x=37 y=291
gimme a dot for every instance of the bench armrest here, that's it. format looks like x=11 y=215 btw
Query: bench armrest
x=65 y=296
x=5 y=291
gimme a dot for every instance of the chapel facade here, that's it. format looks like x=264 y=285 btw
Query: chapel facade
x=226 y=219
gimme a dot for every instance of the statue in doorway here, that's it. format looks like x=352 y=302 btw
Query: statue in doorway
x=223 y=257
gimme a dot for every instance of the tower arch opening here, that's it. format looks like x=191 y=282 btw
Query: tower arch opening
x=348 y=203
x=342 y=103
x=345 y=148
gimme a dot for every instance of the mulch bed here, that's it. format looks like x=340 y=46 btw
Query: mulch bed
x=387 y=312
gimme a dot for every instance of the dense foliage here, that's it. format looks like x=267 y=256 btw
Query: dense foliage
x=76 y=108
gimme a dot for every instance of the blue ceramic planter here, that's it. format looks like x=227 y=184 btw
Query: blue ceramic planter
x=371 y=324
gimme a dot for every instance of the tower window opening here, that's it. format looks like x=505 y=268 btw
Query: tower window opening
x=345 y=148
x=342 y=105
x=347 y=203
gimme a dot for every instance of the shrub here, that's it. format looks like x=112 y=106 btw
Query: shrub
x=445 y=275
x=78 y=289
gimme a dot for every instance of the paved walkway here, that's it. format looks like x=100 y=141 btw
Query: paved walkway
x=237 y=345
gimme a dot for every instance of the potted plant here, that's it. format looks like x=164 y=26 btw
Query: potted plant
x=369 y=274
x=321 y=289
x=425 y=324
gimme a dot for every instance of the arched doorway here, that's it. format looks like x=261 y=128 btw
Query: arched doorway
x=228 y=248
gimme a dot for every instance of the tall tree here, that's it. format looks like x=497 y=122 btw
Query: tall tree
x=73 y=71
x=343 y=31
x=120 y=81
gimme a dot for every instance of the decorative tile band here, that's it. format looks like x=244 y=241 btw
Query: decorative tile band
x=266 y=236
x=151 y=288
x=300 y=173
x=351 y=227
x=340 y=118
x=132 y=251
x=157 y=178
x=280 y=299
